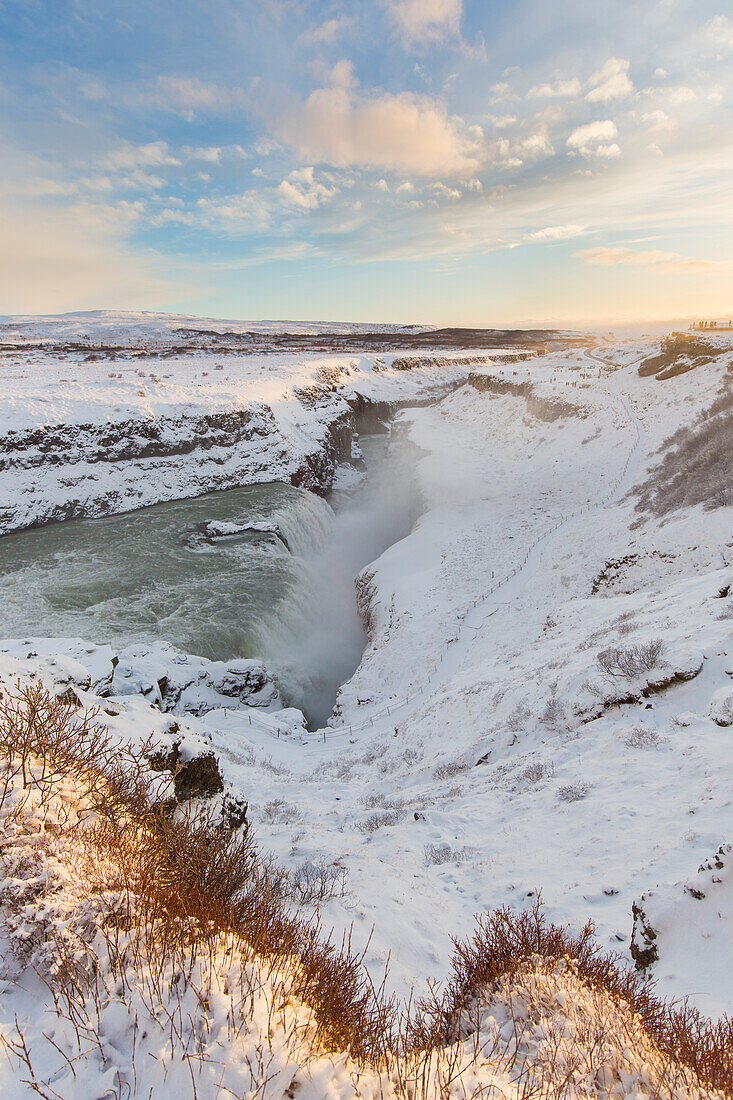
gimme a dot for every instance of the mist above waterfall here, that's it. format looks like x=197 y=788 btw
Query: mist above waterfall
x=319 y=643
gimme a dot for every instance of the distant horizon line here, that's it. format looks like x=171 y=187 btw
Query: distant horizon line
x=532 y=323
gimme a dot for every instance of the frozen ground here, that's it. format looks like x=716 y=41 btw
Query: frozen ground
x=481 y=752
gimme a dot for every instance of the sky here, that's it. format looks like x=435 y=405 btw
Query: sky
x=468 y=162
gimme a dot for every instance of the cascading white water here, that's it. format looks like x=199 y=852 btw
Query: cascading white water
x=320 y=642
x=150 y=575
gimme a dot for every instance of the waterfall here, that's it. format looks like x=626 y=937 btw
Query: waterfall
x=213 y=576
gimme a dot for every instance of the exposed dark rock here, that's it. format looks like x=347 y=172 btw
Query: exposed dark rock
x=127 y=440
x=199 y=776
x=233 y=812
x=643 y=946
x=69 y=696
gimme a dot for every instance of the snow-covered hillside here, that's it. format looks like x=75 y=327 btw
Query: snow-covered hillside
x=147 y=330
x=546 y=700
x=81 y=436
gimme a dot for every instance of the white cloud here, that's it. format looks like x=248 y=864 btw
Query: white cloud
x=660 y=261
x=209 y=153
x=502 y=122
x=420 y=21
x=556 y=233
x=537 y=146
x=659 y=122
x=303 y=190
x=446 y=192
x=187 y=94
x=681 y=95
x=514 y=154
x=141 y=181
x=595 y=140
x=501 y=92
x=247 y=211
x=155 y=154
x=326 y=32
x=342 y=125
x=561 y=89
x=611 y=82
x=720 y=29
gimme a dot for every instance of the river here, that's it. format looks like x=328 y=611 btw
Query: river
x=170 y=572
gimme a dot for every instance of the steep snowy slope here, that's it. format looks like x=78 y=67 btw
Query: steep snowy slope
x=510 y=768
x=540 y=705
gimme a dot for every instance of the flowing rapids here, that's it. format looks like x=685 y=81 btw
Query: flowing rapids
x=263 y=571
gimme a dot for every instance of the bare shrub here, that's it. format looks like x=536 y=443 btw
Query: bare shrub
x=375 y=800
x=455 y=791
x=536 y=772
x=280 y=812
x=639 y=737
x=573 y=792
x=505 y=941
x=518 y=718
x=632 y=661
x=313 y=883
x=450 y=769
x=377 y=821
x=438 y=854
x=696 y=466
x=554 y=713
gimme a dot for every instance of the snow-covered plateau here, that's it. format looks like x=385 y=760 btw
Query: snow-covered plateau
x=544 y=705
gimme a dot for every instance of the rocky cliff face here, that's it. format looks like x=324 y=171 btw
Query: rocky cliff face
x=70 y=471
x=84 y=436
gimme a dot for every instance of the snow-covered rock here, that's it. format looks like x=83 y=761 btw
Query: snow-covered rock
x=173 y=681
x=682 y=932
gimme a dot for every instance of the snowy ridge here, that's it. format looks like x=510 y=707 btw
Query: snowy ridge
x=97 y=326
x=545 y=702
x=469 y=620
x=87 y=439
x=111 y=992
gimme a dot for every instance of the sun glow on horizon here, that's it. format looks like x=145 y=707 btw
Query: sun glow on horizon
x=438 y=160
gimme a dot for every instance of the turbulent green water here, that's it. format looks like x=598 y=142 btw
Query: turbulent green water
x=146 y=576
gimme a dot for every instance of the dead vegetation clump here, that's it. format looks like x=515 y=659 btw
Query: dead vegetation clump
x=438 y=854
x=314 y=882
x=628 y=662
x=696 y=466
x=125 y=900
x=179 y=877
x=641 y=737
x=689 y=1049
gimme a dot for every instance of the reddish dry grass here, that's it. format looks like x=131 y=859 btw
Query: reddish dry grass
x=190 y=879
x=505 y=940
